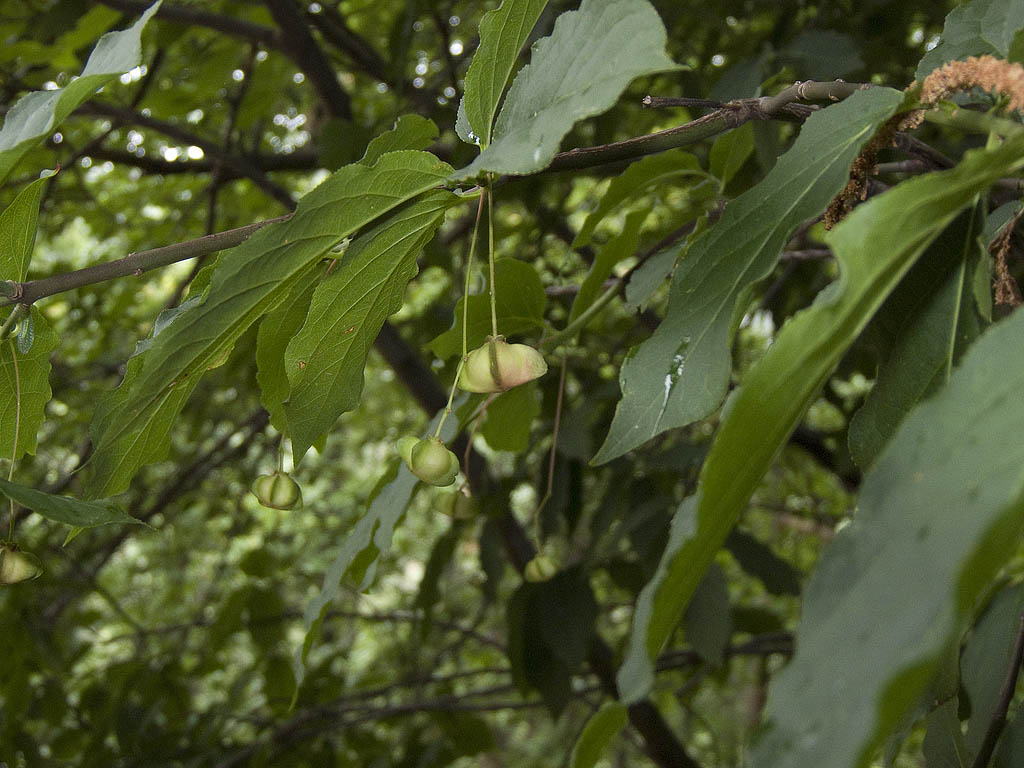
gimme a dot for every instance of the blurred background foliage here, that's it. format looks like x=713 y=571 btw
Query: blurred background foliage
x=174 y=646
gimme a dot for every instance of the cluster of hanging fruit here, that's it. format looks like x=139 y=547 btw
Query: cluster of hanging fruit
x=496 y=366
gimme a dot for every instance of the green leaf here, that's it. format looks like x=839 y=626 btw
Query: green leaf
x=27 y=376
x=566 y=611
x=822 y=54
x=758 y=559
x=579 y=71
x=409 y=132
x=26 y=334
x=250 y=281
x=533 y=662
x=708 y=621
x=600 y=731
x=18 y=231
x=943 y=745
x=940 y=513
x=730 y=152
x=986 y=659
x=64 y=509
x=369 y=539
x=37 y=114
x=919 y=325
x=762 y=413
x=503 y=33
x=620 y=247
x=681 y=372
x=974 y=29
x=645 y=173
x=276 y=330
x=325 y=359
x=519 y=304
x=649 y=276
x=510 y=417
x=1010 y=752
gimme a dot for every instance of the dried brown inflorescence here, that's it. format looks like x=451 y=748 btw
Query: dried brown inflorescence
x=985 y=72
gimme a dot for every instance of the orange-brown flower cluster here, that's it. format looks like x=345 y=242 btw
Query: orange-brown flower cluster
x=985 y=72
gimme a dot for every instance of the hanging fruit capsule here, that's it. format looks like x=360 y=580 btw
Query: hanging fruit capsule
x=429 y=460
x=277 y=491
x=540 y=568
x=16 y=566
x=497 y=366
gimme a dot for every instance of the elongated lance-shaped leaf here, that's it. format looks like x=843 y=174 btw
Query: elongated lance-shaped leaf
x=37 y=114
x=645 y=173
x=519 y=305
x=921 y=324
x=24 y=388
x=325 y=359
x=369 y=539
x=18 y=231
x=620 y=247
x=64 y=509
x=762 y=413
x=974 y=29
x=600 y=731
x=938 y=516
x=681 y=373
x=503 y=33
x=277 y=329
x=579 y=71
x=250 y=281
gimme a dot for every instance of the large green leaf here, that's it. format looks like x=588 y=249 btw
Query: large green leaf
x=325 y=359
x=369 y=539
x=620 y=247
x=579 y=71
x=599 y=732
x=645 y=173
x=37 y=114
x=64 y=509
x=918 y=325
x=510 y=417
x=519 y=307
x=250 y=281
x=277 y=329
x=503 y=33
x=18 y=231
x=681 y=373
x=762 y=413
x=974 y=29
x=27 y=375
x=939 y=514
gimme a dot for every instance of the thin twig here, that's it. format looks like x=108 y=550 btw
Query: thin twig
x=998 y=721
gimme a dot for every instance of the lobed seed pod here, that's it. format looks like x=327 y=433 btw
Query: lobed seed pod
x=540 y=568
x=497 y=366
x=277 y=491
x=429 y=460
x=16 y=566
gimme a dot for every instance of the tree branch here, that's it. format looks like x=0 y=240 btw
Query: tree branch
x=192 y=16
x=236 y=163
x=132 y=264
x=305 y=51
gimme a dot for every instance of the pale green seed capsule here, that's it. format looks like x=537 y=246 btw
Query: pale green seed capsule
x=540 y=568
x=277 y=491
x=17 y=566
x=498 y=366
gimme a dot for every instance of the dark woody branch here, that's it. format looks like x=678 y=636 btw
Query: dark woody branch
x=193 y=16
x=304 y=51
